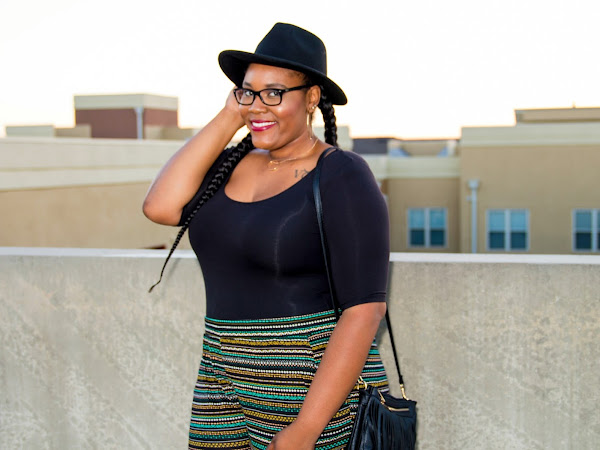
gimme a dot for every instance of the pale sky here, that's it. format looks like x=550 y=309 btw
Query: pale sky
x=410 y=69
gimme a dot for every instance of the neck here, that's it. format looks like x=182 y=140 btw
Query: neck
x=294 y=148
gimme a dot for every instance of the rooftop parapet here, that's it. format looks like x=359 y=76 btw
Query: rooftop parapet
x=504 y=343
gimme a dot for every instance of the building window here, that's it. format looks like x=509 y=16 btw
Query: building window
x=427 y=227
x=508 y=229
x=586 y=230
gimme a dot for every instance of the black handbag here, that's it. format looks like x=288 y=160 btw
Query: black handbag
x=382 y=421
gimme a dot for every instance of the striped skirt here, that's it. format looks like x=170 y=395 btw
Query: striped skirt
x=253 y=378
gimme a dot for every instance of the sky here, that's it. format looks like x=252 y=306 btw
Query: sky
x=410 y=69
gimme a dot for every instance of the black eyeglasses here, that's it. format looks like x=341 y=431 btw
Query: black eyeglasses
x=270 y=97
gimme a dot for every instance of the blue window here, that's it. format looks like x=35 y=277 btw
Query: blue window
x=508 y=229
x=586 y=232
x=427 y=227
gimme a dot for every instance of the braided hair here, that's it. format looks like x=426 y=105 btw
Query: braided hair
x=328 y=112
x=236 y=154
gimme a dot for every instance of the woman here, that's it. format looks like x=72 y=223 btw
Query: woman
x=277 y=372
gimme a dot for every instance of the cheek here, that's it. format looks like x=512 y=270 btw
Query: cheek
x=243 y=111
x=293 y=117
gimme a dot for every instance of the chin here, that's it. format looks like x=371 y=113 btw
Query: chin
x=265 y=144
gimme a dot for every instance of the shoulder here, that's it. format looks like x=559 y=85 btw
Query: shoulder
x=343 y=164
x=349 y=190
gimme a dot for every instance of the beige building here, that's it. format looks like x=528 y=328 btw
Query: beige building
x=421 y=181
x=78 y=192
x=528 y=188
x=539 y=183
x=118 y=116
x=63 y=187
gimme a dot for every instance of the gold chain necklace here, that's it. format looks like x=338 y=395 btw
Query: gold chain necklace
x=274 y=164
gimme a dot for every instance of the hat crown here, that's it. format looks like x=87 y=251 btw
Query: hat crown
x=286 y=41
x=290 y=47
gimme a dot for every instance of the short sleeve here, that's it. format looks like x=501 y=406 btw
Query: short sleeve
x=356 y=222
x=191 y=205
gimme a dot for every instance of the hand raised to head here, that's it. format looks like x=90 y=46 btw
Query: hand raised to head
x=233 y=107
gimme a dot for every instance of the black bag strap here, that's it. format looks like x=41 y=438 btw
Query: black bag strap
x=325 y=248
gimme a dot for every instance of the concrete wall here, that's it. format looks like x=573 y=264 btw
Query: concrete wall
x=500 y=351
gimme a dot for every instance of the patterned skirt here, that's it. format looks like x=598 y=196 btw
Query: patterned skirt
x=253 y=378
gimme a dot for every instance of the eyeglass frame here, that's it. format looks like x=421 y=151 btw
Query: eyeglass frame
x=258 y=93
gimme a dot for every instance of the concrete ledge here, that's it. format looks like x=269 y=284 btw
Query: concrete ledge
x=122 y=101
x=448 y=258
x=94 y=252
x=387 y=167
x=532 y=135
x=491 y=258
x=31 y=163
x=500 y=351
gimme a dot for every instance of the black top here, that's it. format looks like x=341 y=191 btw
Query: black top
x=263 y=259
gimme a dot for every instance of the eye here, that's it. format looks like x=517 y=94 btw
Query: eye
x=248 y=93
x=272 y=93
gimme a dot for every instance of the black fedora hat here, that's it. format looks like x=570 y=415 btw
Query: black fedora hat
x=290 y=47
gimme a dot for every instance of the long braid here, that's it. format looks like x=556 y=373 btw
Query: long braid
x=235 y=156
x=328 y=112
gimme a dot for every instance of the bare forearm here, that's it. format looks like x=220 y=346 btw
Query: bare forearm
x=341 y=365
x=180 y=177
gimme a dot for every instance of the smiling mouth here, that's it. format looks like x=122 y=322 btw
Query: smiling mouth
x=261 y=126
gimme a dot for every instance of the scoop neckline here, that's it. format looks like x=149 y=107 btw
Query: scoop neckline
x=308 y=175
x=279 y=194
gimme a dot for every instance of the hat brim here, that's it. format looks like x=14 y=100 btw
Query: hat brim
x=234 y=64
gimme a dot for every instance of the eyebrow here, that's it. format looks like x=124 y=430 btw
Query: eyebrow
x=268 y=86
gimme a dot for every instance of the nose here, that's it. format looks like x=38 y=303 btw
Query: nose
x=257 y=105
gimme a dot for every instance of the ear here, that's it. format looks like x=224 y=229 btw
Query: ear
x=313 y=96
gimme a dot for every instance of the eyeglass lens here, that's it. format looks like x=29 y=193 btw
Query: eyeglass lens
x=270 y=97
